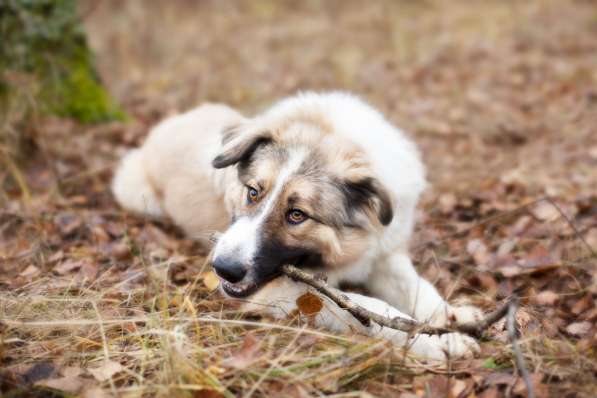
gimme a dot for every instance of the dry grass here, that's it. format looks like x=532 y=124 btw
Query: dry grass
x=500 y=95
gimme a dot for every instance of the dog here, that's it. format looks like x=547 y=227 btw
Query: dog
x=319 y=180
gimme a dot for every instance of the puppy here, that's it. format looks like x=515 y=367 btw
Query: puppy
x=321 y=181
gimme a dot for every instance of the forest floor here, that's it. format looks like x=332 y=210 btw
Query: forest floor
x=501 y=96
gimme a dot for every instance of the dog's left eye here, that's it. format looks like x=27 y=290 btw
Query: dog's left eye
x=252 y=195
x=296 y=216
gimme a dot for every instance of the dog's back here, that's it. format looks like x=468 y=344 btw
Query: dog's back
x=171 y=174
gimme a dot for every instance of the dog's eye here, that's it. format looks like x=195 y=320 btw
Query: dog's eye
x=296 y=216
x=252 y=195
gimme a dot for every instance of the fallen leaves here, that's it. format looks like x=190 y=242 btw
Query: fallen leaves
x=71 y=381
x=479 y=251
x=68 y=266
x=579 y=328
x=545 y=211
x=211 y=280
x=495 y=148
x=106 y=370
x=247 y=354
x=539 y=388
x=30 y=272
x=309 y=304
x=546 y=297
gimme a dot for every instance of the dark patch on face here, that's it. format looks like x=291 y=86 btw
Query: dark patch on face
x=267 y=151
x=361 y=193
x=268 y=261
x=241 y=151
x=272 y=254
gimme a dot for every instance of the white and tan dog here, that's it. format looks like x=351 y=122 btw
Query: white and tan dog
x=321 y=181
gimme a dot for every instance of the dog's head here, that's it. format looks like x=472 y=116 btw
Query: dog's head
x=303 y=196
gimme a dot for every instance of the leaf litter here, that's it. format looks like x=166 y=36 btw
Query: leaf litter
x=501 y=98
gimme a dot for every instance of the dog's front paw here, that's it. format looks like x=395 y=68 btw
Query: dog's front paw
x=452 y=315
x=464 y=314
x=439 y=349
x=458 y=345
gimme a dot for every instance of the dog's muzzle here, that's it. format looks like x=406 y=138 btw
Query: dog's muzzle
x=228 y=269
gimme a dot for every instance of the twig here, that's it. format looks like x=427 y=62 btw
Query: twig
x=522 y=370
x=404 y=324
x=571 y=224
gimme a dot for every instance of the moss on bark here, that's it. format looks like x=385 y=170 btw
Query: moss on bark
x=46 y=67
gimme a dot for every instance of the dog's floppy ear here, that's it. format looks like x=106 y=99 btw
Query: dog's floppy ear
x=239 y=144
x=368 y=194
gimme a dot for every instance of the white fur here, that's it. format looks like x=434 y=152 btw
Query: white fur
x=279 y=299
x=176 y=161
x=131 y=188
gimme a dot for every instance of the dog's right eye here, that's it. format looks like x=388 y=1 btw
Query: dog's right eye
x=252 y=195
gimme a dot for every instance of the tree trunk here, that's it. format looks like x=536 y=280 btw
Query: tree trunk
x=46 y=68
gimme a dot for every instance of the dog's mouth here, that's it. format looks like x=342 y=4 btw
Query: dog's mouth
x=240 y=289
x=246 y=288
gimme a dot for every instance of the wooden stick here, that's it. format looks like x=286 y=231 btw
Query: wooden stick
x=403 y=324
x=512 y=332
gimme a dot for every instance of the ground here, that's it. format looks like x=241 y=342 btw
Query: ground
x=501 y=96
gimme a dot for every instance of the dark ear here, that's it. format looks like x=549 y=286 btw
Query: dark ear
x=369 y=194
x=238 y=145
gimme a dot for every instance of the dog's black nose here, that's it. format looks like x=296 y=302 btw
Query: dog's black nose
x=229 y=269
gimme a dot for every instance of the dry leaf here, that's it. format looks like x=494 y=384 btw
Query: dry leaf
x=545 y=211
x=547 y=297
x=70 y=382
x=309 y=304
x=30 y=271
x=582 y=305
x=479 y=251
x=579 y=328
x=510 y=271
x=447 y=202
x=120 y=251
x=211 y=280
x=68 y=266
x=457 y=387
x=108 y=369
x=499 y=378
x=68 y=223
x=539 y=257
x=246 y=355
x=540 y=389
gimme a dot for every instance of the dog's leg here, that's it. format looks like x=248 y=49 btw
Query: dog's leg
x=396 y=281
x=278 y=299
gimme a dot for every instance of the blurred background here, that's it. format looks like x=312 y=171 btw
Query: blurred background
x=491 y=89
x=500 y=95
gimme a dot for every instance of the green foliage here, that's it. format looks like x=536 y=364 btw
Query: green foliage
x=43 y=41
x=490 y=363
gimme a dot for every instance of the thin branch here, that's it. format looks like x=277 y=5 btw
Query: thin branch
x=522 y=370
x=571 y=224
x=403 y=324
